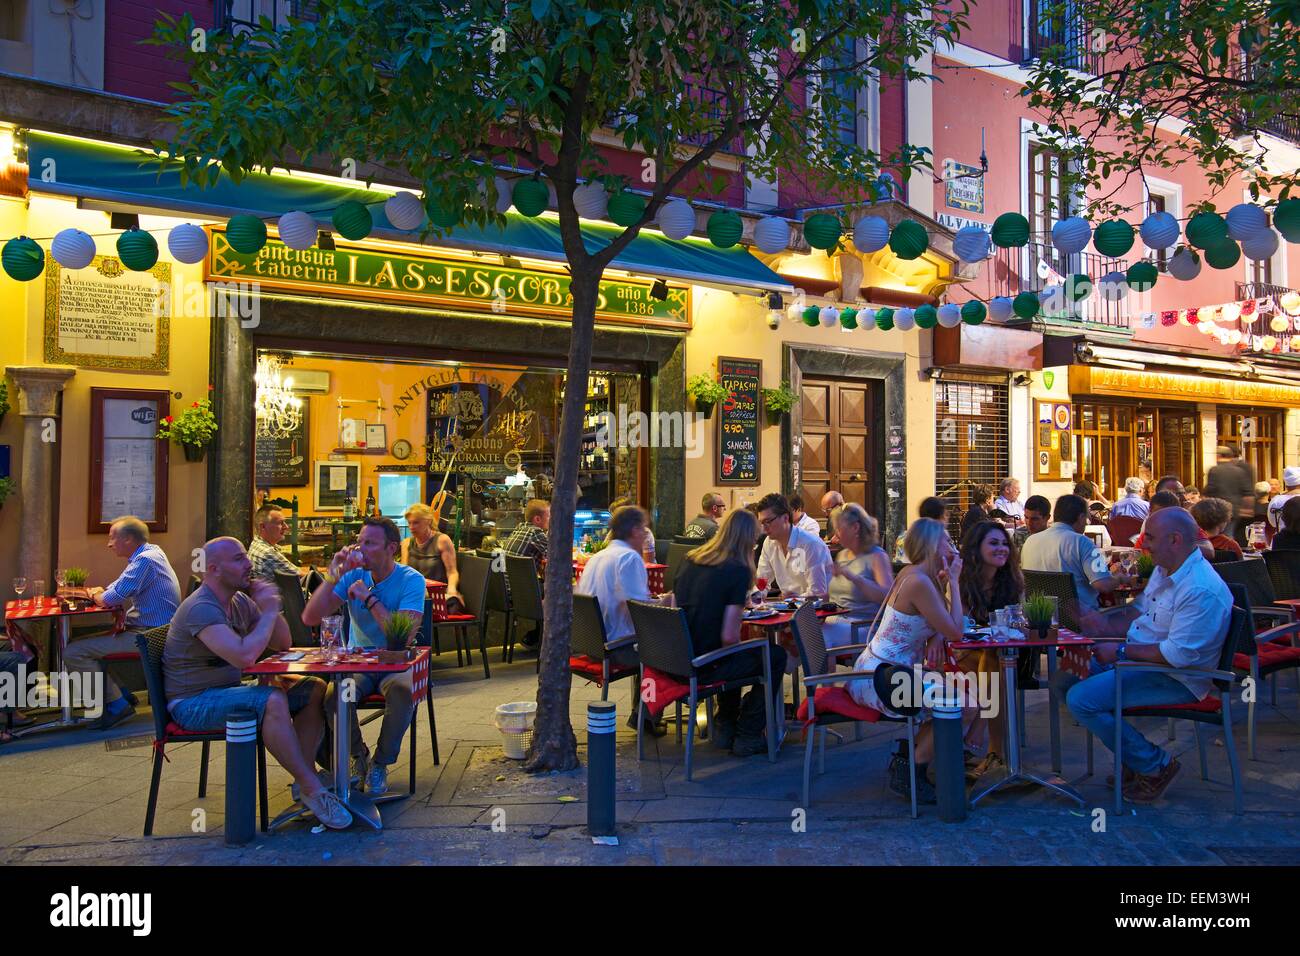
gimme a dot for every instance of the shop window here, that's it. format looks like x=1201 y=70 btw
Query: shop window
x=1103 y=446
x=1256 y=432
x=972 y=446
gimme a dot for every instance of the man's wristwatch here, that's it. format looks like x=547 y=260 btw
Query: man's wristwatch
x=371 y=601
x=1121 y=652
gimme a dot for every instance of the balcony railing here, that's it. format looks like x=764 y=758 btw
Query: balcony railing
x=1060 y=36
x=712 y=107
x=1261 y=290
x=1033 y=267
x=1285 y=125
x=243 y=16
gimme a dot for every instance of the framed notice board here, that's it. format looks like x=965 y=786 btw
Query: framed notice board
x=128 y=474
x=737 y=461
x=336 y=481
x=1053 y=442
x=284 y=462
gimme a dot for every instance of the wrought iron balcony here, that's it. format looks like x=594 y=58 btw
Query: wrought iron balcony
x=1258 y=290
x=712 y=107
x=1033 y=267
x=1057 y=34
x=243 y=16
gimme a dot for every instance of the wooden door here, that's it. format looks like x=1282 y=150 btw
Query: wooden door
x=1180 y=452
x=838 y=421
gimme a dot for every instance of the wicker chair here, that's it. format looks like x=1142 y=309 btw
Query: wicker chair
x=1284 y=571
x=591 y=652
x=1060 y=585
x=499 y=600
x=1253 y=575
x=293 y=603
x=676 y=555
x=525 y=597
x=474 y=573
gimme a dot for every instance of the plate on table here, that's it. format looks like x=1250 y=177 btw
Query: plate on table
x=759 y=613
x=979 y=634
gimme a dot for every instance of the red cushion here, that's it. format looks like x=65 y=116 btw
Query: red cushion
x=837 y=700
x=123 y=656
x=453 y=617
x=174 y=729
x=582 y=664
x=1208 y=705
x=1270 y=655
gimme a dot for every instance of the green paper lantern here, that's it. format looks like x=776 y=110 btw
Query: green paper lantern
x=447 y=215
x=1223 y=255
x=1206 y=229
x=885 y=319
x=927 y=316
x=246 y=234
x=352 y=220
x=849 y=318
x=1142 y=276
x=624 y=209
x=724 y=229
x=810 y=315
x=974 y=312
x=822 y=231
x=909 y=239
x=1286 y=219
x=138 y=250
x=1113 y=238
x=1025 y=305
x=23 y=259
x=1010 y=230
x=530 y=196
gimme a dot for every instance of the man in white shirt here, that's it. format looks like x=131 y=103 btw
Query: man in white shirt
x=1008 y=500
x=1180 y=620
x=802 y=519
x=1132 y=505
x=1291 y=484
x=797 y=560
x=1064 y=547
x=615 y=575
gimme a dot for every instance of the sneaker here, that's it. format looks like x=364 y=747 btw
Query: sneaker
x=1127 y=778
x=328 y=809
x=991 y=763
x=377 y=780
x=900 y=780
x=326 y=780
x=724 y=733
x=360 y=766
x=746 y=745
x=1150 y=788
x=115 y=713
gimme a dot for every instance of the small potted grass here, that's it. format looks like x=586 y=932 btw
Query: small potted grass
x=1038 y=610
x=1145 y=565
x=399 y=633
x=74 y=583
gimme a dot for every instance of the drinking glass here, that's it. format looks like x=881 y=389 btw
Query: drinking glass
x=20 y=585
x=331 y=637
x=1056 y=602
x=38 y=589
x=60 y=577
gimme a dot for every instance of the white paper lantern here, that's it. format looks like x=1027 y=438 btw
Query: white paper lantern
x=1159 y=230
x=1052 y=298
x=795 y=312
x=828 y=316
x=905 y=319
x=772 y=235
x=591 y=201
x=405 y=211
x=1246 y=221
x=949 y=316
x=1000 y=308
x=1268 y=343
x=1279 y=323
x=1184 y=265
x=866 y=320
x=73 y=249
x=1113 y=286
x=1230 y=312
x=298 y=230
x=870 y=234
x=972 y=243
x=505 y=194
x=1221 y=335
x=1234 y=336
x=1290 y=301
x=1260 y=246
x=1071 y=235
x=187 y=243
x=1205 y=313
x=1205 y=328
x=677 y=219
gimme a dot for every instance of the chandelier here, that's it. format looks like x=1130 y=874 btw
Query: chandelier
x=279 y=411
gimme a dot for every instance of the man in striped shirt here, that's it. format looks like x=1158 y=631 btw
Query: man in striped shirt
x=149 y=591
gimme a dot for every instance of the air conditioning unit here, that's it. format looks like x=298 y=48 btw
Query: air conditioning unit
x=308 y=381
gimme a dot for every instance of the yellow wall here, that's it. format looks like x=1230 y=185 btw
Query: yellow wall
x=13 y=306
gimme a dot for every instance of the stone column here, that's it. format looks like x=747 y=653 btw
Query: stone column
x=38 y=402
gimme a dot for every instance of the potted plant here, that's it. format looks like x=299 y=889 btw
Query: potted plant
x=707 y=392
x=7 y=487
x=192 y=429
x=778 y=402
x=399 y=631
x=1145 y=565
x=1038 y=610
x=76 y=577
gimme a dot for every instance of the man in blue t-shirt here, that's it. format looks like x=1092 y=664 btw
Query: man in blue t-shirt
x=367 y=576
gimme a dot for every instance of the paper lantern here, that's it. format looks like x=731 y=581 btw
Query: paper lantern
x=1113 y=286
x=530 y=196
x=1231 y=312
x=972 y=243
x=772 y=235
x=1000 y=308
x=505 y=195
x=1246 y=221
x=187 y=243
x=73 y=249
x=949 y=316
x=1261 y=246
x=1268 y=342
x=247 y=234
x=1290 y=301
x=1279 y=323
x=795 y=311
x=1142 y=276
x=1113 y=238
x=905 y=320
x=405 y=211
x=811 y=315
x=1071 y=235
x=866 y=319
x=352 y=220
x=829 y=316
x=909 y=240
x=676 y=219
x=927 y=316
x=591 y=201
x=1205 y=328
x=974 y=312
x=1206 y=313
x=1234 y=336
x=137 y=249
x=885 y=319
x=297 y=230
x=821 y=230
x=870 y=234
x=848 y=319
x=1223 y=255
x=1286 y=219
x=1205 y=229
x=1078 y=287
x=1010 y=230
x=1184 y=264
x=1025 y=305
x=1159 y=230
x=625 y=208
x=24 y=259
x=725 y=228
x=445 y=213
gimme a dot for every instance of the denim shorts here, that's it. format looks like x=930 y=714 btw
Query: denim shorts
x=209 y=709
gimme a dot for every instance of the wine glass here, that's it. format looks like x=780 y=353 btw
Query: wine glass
x=60 y=577
x=20 y=585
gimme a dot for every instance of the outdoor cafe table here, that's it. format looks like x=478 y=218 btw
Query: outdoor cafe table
x=313 y=664
x=654 y=572
x=772 y=626
x=58 y=611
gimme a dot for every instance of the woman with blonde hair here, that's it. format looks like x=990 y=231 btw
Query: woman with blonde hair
x=432 y=553
x=862 y=573
x=712 y=587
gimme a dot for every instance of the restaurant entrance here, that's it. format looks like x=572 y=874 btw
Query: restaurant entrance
x=838 y=439
x=1117 y=440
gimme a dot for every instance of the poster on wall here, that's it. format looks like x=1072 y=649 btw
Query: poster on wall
x=106 y=316
x=739 y=444
x=336 y=481
x=284 y=462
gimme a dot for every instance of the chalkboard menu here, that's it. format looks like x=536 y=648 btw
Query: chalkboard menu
x=285 y=462
x=738 y=438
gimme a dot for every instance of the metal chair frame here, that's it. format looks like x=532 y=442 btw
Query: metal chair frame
x=587 y=637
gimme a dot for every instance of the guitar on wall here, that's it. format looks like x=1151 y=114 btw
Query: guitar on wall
x=439 y=501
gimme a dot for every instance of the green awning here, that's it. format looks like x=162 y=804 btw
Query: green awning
x=132 y=177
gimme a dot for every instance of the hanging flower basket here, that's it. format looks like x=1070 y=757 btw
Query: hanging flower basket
x=707 y=393
x=194 y=452
x=777 y=403
x=193 y=429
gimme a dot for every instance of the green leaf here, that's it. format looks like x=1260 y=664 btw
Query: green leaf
x=540 y=8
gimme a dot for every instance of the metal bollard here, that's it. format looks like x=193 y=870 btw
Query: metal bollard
x=949 y=767
x=602 y=716
x=241 y=776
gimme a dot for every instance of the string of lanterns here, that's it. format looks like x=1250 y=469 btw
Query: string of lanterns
x=1265 y=324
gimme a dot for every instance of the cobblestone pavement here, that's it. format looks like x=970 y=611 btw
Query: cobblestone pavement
x=76 y=797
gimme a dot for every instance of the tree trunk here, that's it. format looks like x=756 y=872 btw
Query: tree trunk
x=554 y=745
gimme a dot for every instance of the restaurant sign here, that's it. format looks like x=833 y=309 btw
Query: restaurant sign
x=374 y=273
x=1087 y=379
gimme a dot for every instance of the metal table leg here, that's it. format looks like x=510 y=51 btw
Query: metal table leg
x=362 y=807
x=1053 y=710
x=61 y=684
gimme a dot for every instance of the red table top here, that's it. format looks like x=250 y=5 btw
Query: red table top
x=782 y=618
x=1289 y=602
x=1063 y=638
x=314 y=663
x=23 y=610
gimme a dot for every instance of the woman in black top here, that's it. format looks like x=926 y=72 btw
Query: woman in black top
x=1288 y=539
x=712 y=587
x=980 y=496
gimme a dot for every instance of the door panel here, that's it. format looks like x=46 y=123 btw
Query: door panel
x=816 y=453
x=816 y=404
x=837 y=441
x=853 y=452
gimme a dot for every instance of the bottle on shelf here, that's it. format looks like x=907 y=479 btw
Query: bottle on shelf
x=370 y=501
x=349 y=508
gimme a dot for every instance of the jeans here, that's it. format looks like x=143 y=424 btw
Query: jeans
x=748 y=715
x=208 y=709
x=1092 y=702
x=85 y=654
x=399 y=708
